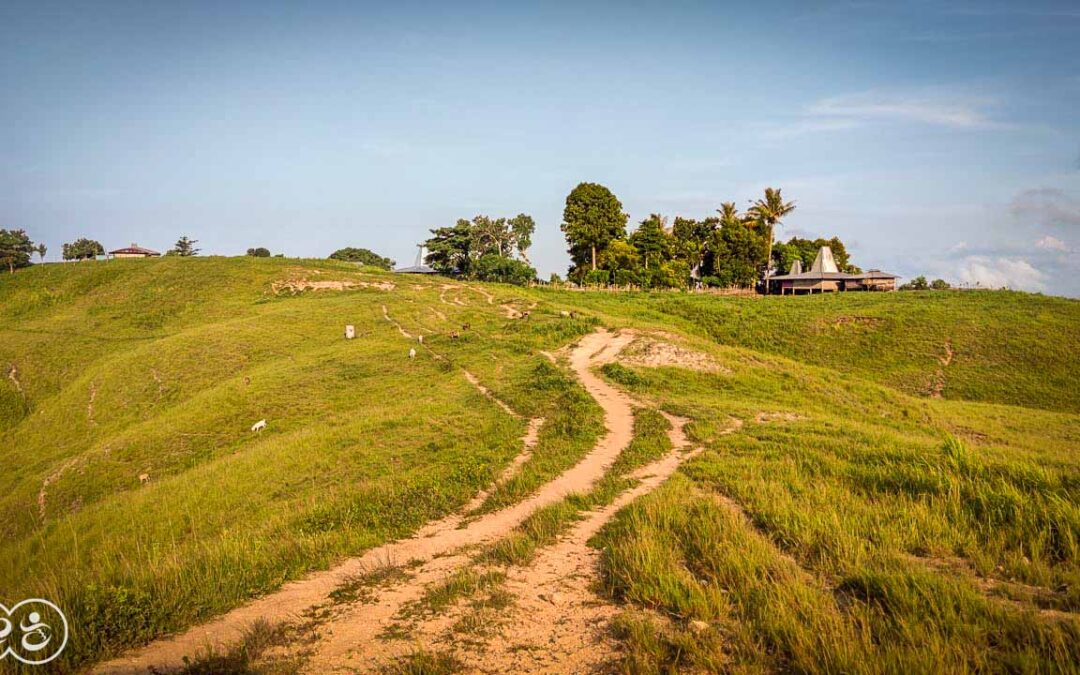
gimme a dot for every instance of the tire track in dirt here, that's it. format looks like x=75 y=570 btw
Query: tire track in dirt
x=291 y=600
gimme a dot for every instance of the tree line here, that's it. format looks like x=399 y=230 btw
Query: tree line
x=729 y=249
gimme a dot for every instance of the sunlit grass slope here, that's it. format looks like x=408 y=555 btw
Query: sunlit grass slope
x=860 y=524
x=1014 y=348
x=161 y=367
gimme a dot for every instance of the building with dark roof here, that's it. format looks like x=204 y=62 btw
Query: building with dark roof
x=134 y=251
x=825 y=277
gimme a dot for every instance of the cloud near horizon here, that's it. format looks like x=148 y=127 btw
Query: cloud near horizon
x=1013 y=273
x=1049 y=243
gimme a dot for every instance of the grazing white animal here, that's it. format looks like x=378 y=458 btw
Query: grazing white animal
x=350 y=332
x=144 y=478
x=420 y=339
x=412 y=353
x=259 y=426
x=564 y=313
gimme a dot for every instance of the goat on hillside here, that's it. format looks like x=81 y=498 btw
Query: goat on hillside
x=259 y=426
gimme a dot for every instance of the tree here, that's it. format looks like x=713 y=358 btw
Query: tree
x=916 y=284
x=522 y=225
x=41 y=250
x=259 y=252
x=15 y=249
x=807 y=249
x=592 y=219
x=940 y=285
x=690 y=242
x=82 y=249
x=769 y=211
x=738 y=250
x=651 y=240
x=494 y=267
x=363 y=256
x=457 y=249
x=449 y=248
x=491 y=235
x=621 y=261
x=184 y=247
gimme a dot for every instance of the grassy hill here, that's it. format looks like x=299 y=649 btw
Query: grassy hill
x=903 y=492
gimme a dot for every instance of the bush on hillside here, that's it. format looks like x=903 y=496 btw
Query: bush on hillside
x=492 y=267
x=363 y=256
x=259 y=252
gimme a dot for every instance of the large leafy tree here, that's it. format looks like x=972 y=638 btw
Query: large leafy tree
x=15 y=249
x=652 y=241
x=738 y=250
x=185 y=247
x=363 y=256
x=457 y=249
x=522 y=226
x=769 y=211
x=449 y=248
x=82 y=249
x=691 y=242
x=592 y=219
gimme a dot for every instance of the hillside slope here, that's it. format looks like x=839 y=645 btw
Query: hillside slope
x=895 y=527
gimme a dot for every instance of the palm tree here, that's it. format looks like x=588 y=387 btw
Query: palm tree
x=729 y=214
x=769 y=212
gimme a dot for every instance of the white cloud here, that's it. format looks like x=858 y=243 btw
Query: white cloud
x=990 y=272
x=1049 y=243
x=930 y=108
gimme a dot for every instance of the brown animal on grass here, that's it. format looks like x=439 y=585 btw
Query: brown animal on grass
x=144 y=478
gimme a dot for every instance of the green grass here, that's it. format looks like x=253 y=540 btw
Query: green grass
x=872 y=528
x=817 y=541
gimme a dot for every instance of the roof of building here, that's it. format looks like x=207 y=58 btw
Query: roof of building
x=134 y=249
x=876 y=274
x=825 y=267
x=415 y=269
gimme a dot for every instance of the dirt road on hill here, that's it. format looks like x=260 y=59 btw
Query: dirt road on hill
x=437 y=540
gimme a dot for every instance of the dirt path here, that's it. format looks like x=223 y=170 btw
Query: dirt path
x=487 y=296
x=290 y=602
x=386 y=315
x=558 y=623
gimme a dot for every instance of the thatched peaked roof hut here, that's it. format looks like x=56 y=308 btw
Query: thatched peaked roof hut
x=825 y=276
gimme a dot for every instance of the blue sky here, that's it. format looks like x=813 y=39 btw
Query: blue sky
x=936 y=138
